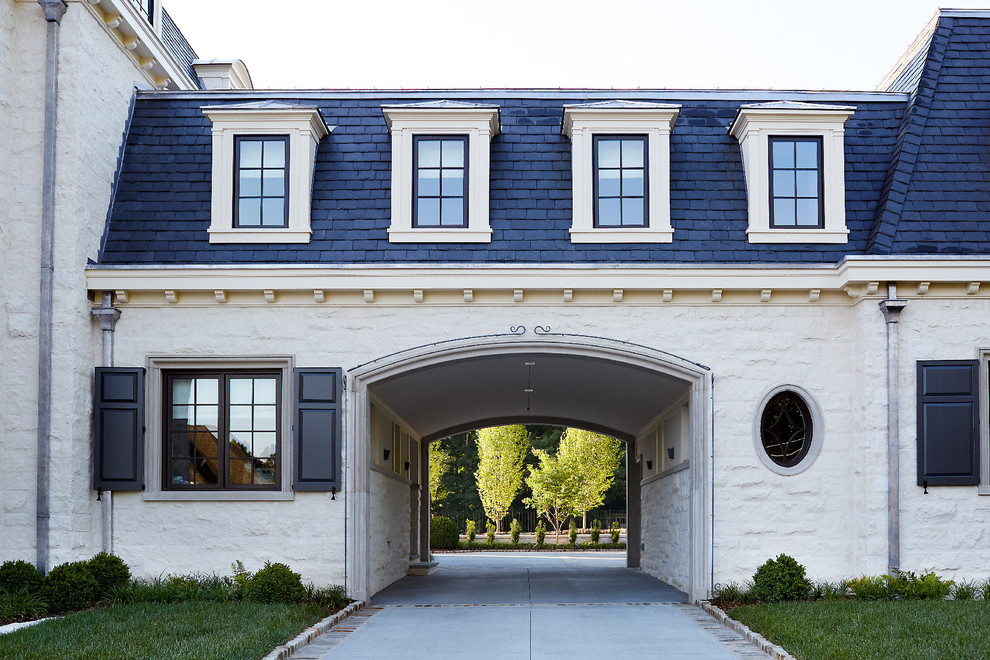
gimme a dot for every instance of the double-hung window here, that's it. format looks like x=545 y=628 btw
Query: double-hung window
x=620 y=165
x=222 y=430
x=261 y=181
x=440 y=192
x=796 y=182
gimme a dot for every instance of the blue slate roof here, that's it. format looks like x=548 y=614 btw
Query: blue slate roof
x=917 y=175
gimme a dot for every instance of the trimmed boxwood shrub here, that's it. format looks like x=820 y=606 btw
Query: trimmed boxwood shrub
x=275 y=583
x=70 y=586
x=780 y=579
x=19 y=575
x=443 y=533
x=110 y=572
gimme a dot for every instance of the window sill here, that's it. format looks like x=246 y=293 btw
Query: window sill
x=798 y=236
x=453 y=235
x=640 y=235
x=274 y=235
x=219 y=496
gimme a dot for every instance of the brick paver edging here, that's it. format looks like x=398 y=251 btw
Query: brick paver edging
x=547 y=549
x=754 y=638
x=311 y=633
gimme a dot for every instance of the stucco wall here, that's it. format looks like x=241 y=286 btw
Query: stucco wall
x=388 y=533
x=666 y=506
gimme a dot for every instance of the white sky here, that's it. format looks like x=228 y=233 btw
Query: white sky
x=782 y=44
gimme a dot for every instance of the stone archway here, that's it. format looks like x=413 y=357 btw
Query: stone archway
x=602 y=384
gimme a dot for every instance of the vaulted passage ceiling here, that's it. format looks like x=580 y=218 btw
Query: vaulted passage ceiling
x=597 y=394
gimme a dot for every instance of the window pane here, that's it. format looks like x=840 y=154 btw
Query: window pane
x=264 y=472
x=273 y=212
x=182 y=472
x=240 y=445
x=632 y=183
x=274 y=153
x=429 y=153
x=428 y=212
x=608 y=183
x=182 y=414
x=452 y=214
x=453 y=153
x=264 y=390
x=264 y=418
x=429 y=183
x=783 y=183
x=207 y=390
x=608 y=153
x=240 y=391
x=783 y=153
x=181 y=446
x=807 y=183
x=807 y=212
x=632 y=153
x=264 y=445
x=181 y=390
x=608 y=213
x=250 y=153
x=250 y=183
x=206 y=445
x=240 y=418
x=453 y=183
x=206 y=417
x=632 y=212
x=240 y=472
x=807 y=154
x=274 y=183
x=206 y=472
x=783 y=212
x=249 y=212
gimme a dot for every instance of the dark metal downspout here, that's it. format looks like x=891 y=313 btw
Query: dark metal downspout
x=54 y=10
x=891 y=309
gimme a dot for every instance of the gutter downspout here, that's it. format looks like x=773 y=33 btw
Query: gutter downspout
x=891 y=309
x=108 y=315
x=54 y=10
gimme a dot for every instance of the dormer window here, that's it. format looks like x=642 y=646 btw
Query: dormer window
x=620 y=171
x=147 y=9
x=264 y=155
x=440 y=165
x=795 y=171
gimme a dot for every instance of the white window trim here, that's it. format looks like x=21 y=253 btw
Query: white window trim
x=817 y=431
x=154 y=444
x=581 y=124
x=305 y=128
x=754 y=126
x=984 y=394
x=480 y=124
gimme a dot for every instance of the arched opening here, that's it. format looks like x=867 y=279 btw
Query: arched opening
x=619 y=389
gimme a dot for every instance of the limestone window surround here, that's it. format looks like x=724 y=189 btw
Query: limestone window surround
x=582 y=123
x=753 y=127
x=817 y=431
x=304 y=127
x=480 y=123
x=155 y=436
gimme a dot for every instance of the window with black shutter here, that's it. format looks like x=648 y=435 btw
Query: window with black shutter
x=317 y=427
x=948 y=423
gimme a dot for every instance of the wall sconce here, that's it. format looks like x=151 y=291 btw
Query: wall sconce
x=670 y=453
x=407 y=466
x=387 y=452
x=649 y=465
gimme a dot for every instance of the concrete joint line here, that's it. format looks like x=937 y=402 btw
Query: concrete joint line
x=754 y=638
x=293 y=646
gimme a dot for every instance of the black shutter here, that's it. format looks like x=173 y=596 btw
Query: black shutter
x=948 y=423
x=118 y=411
x=316 y=423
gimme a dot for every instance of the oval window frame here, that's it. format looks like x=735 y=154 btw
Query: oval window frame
x=817 y=430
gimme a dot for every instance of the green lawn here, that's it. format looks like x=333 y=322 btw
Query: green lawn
x=861 y=630
x=196 y=630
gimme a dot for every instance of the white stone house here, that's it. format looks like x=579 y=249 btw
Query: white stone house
x=776 y=298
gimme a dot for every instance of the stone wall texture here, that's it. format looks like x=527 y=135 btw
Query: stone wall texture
x=388 y=533
x=666 y=507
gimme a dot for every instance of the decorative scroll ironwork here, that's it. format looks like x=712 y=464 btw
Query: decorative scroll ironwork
x=517 y=329
x=542 y=329
x=786 y=429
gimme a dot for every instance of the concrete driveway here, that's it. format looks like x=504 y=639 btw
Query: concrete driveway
x=530 y=605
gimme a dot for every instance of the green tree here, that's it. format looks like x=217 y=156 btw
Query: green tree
x=501 y=450
x=554 y=485
x=595 y=458
x=458 y=481
x=440 y=462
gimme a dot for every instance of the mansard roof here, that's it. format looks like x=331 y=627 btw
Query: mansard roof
x=917 y=171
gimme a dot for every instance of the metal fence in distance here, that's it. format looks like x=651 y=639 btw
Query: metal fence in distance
x=528 y=518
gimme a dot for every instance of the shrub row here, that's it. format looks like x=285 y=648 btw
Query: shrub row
x=784 y=578
x=26 y=594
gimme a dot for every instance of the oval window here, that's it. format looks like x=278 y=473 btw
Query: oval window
x=786 y=429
